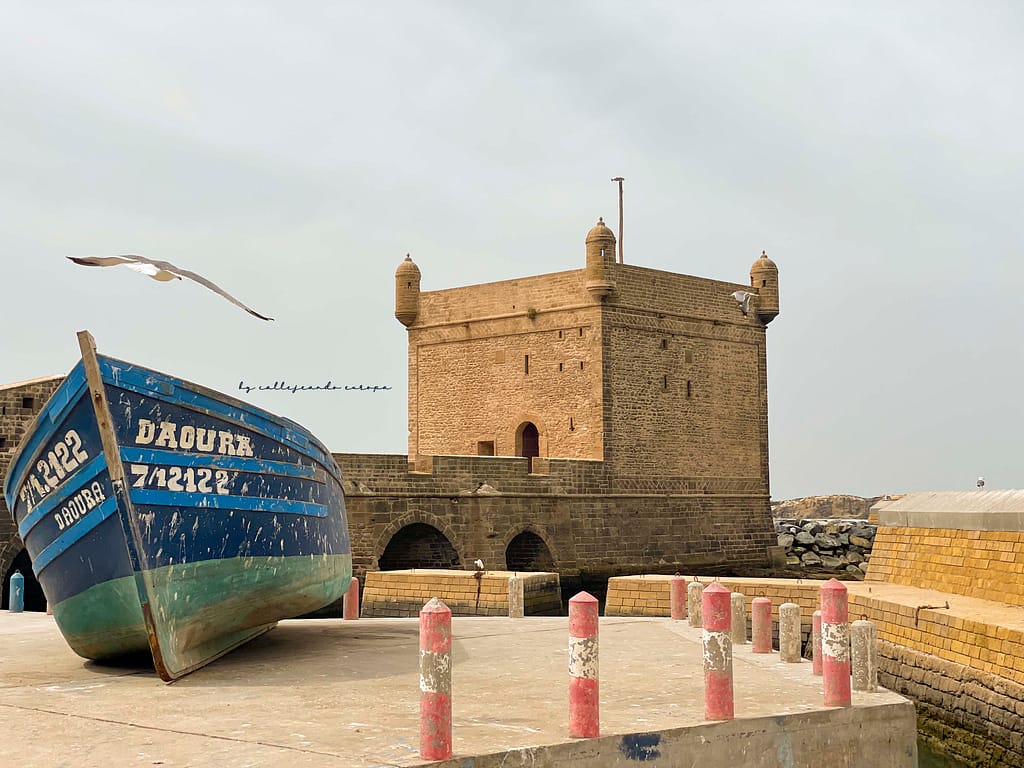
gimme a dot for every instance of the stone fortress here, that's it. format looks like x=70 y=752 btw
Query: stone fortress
x=594 y=422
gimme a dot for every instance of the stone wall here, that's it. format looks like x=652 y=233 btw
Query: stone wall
x=404 y=593
x=827 y=547
x=821 y=507
x=19 y=404
x=973 y=715
x=481 y=504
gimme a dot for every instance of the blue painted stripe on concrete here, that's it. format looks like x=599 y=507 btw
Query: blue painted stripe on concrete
x=58 y=546
x=214 y=501
x=63 y=492
x=230 y=463
x=44 y=427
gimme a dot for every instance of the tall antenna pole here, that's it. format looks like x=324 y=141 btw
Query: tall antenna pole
x=620 y=180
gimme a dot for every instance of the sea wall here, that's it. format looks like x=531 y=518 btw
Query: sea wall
x=826 y=547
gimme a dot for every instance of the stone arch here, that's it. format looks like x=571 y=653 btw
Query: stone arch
x=409 y=519
x=528 y=437
x=528 y=550
x=418 y=545
x=35 y=600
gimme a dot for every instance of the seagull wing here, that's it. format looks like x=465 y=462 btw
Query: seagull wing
x=207 y=283
x=161 y=270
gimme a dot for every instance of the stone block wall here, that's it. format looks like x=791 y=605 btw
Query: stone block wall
x=983 y=564
x=480 y=504
x=19 y=404
x=973 y=715
x=404 y=593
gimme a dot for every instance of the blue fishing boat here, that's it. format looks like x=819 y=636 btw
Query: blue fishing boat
x=162 y=516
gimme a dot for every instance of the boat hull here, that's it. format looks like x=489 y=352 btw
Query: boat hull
x=163 y=516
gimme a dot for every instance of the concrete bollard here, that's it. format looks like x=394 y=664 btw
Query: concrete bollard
x=789 y=633
x=738 y=601
x=835 y=644
x=864 y=655
x=516 y=598
x=716 y=615
x=435 y=681
x=16 y=603
x=350 y=603
x=677 y=597
x=816 y=643
x=693 y=602
x=584 y=701
x=761 y=625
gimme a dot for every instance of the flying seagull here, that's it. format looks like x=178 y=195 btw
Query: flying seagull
x=162 y=271
x=743 y=299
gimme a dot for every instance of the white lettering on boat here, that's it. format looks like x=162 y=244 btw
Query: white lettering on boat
x=66 y=456
x=180 y=479
x=74 y=510
x=167 y=434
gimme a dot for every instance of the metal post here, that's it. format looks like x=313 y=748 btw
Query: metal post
x=620 y=180
x=16 y=603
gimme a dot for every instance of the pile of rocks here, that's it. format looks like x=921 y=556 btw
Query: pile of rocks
x=838 y=547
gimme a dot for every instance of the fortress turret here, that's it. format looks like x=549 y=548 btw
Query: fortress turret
x=407 y=292
x=764 y=278
x=600 y=260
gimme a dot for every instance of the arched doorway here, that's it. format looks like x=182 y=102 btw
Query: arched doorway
x=35 y=600
x=418 y=546
x=528 y=552
x=528 y=443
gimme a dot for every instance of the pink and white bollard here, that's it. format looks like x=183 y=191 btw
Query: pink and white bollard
x=584 y=701
x=435 y=681
x=835 y=644
x=350 y=603
x=677 y=597
x=694 y=590
x=816 y=642
x=716 y=614
x=761 y=625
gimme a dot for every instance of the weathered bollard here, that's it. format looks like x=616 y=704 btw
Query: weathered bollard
x=584 y=700
x=677 y=597
x=16 y=603
x=435 y=681
x=761 y=625
x=789 y=633
x=350 y=603
x=693 y=602
x=738 y=602
x=816 y=643
x=516 y=598
x=864 y=655
x=835 y=644
x=716 y=615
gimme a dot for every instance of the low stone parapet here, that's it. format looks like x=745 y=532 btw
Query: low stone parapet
x=468 y=593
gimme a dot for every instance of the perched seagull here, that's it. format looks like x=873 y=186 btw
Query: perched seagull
x=981 y=483
x=160 y=270
x=743 y=299
x=479 y=564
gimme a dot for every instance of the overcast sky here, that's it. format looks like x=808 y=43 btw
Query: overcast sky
x=295 y=152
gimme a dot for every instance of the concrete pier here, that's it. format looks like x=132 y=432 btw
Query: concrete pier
x=331 y=693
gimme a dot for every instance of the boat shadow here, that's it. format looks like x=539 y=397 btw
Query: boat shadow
x=317 y=653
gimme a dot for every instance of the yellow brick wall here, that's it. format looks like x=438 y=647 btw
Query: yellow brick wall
x=402 y=593
x=985 y=564
x=996 y=650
